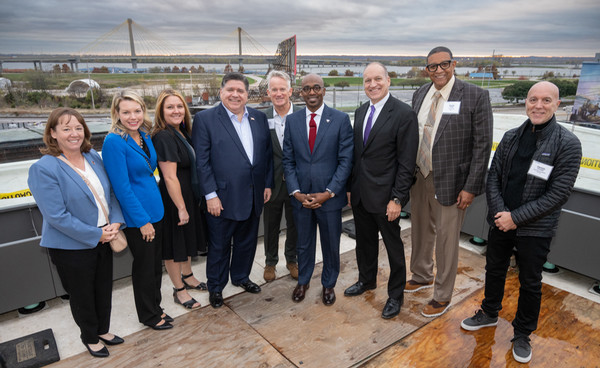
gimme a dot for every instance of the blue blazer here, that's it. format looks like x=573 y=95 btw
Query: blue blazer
x=224 y=167
x=131 y=174
x=67 y=203
x=330 y=163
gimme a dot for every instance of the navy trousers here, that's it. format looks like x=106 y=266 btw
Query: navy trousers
x=231 y=250
x=330 y=230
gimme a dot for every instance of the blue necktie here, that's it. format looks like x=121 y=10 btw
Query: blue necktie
x=369 y=125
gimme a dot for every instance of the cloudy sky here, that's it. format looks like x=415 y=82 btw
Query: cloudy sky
x=352 y=27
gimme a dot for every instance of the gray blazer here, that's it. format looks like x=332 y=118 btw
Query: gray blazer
x=462 y=144
x=278 y=179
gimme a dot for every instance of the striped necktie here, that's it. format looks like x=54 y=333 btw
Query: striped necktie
x=424 y=154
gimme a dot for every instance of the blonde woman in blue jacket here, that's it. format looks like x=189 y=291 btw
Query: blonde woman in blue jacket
x=130 y=161
x=75 y=229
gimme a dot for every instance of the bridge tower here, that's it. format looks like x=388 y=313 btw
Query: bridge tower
x=241 y=67
x=132 y=45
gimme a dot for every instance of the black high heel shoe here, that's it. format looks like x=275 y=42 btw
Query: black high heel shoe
x=200 y=286
x=165 y=326
x=187 y=304
x=114 y=341
x=102 y=353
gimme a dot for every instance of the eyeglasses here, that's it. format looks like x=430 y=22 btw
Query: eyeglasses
x=316 y=88
x=444 y=65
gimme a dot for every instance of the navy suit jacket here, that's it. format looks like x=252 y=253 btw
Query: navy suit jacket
x=131 y=174
x=224 y=167
x=330 y=163
x=67 y=203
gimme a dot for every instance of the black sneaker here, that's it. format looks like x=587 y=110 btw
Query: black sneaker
x=479 y=320
x=521 y=349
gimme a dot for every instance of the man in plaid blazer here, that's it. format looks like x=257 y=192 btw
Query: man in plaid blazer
x=455 y=130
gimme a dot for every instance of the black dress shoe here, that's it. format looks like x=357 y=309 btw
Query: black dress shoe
x=249 y=286
x=164 y=326
x=392 y=308
x=299 y=292
x=328 y=296
x=102 y=353
x=215 y=299
x=168 y=318
x=115 y=340
x=358 y=288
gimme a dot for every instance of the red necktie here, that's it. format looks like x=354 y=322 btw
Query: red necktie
x=312 y=135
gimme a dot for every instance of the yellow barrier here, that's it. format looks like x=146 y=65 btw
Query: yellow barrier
x=17 y=194
x=586 y=162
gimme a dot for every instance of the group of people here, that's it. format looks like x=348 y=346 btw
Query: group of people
x=307 y=163
x=86 y=199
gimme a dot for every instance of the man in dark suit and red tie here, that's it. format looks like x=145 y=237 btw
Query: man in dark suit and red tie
x=234 y=158
x=455 y=126
x=317 y=160
x=386 y=138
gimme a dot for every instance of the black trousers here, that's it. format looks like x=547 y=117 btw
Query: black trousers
x=86 y=275
x=532 y=253
x=146 y=273
x=272 y=213
x=368 y=225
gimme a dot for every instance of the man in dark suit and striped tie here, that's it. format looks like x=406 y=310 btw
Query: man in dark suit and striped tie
x=455 y=126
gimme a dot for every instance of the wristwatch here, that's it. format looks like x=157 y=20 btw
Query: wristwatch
x=331 y=194
x=397 y=201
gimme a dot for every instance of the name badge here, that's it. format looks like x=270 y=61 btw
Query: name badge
x=451 y=107
x=540 y=170
x=271 y=123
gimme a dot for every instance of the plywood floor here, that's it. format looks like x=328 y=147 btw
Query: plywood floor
x=270 y=330
x=568 y=335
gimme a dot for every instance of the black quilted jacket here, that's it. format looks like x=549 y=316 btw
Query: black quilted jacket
x=542 y=200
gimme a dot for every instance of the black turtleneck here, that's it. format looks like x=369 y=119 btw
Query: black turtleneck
x=521 y=161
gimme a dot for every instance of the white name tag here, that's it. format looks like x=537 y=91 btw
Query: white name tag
x=451 y=107
x=540 y=170
x=271 y=123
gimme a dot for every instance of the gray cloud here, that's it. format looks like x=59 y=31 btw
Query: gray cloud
x=401 y=27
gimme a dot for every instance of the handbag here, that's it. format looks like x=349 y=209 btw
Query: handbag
x=119 y=243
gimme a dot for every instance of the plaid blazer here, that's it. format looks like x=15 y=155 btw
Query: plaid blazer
x=463 y=142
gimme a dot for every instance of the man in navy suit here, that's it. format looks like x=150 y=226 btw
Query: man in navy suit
x=235 y=165
x=317 y=160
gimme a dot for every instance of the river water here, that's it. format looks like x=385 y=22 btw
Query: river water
x=528 y=71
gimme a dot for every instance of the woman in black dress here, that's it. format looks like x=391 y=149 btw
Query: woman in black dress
x=183 y=235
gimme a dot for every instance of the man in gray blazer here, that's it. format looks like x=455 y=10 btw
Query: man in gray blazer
x=455 y=129
x=280 y=90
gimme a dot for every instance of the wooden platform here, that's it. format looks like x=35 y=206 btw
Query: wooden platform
x=568 y=335
x=270 y=330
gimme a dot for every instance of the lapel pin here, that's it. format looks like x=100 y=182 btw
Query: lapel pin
x=327 y=120
x=251 y=118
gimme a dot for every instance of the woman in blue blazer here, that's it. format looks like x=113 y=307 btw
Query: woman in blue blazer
x=75 y=229
x=130 y=163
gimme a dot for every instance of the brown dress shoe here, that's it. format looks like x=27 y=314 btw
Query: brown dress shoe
x=412 y=286
x=435 y=308
x=293 y=268
x=269 y=274
x=328 y=296
x=299 y=292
